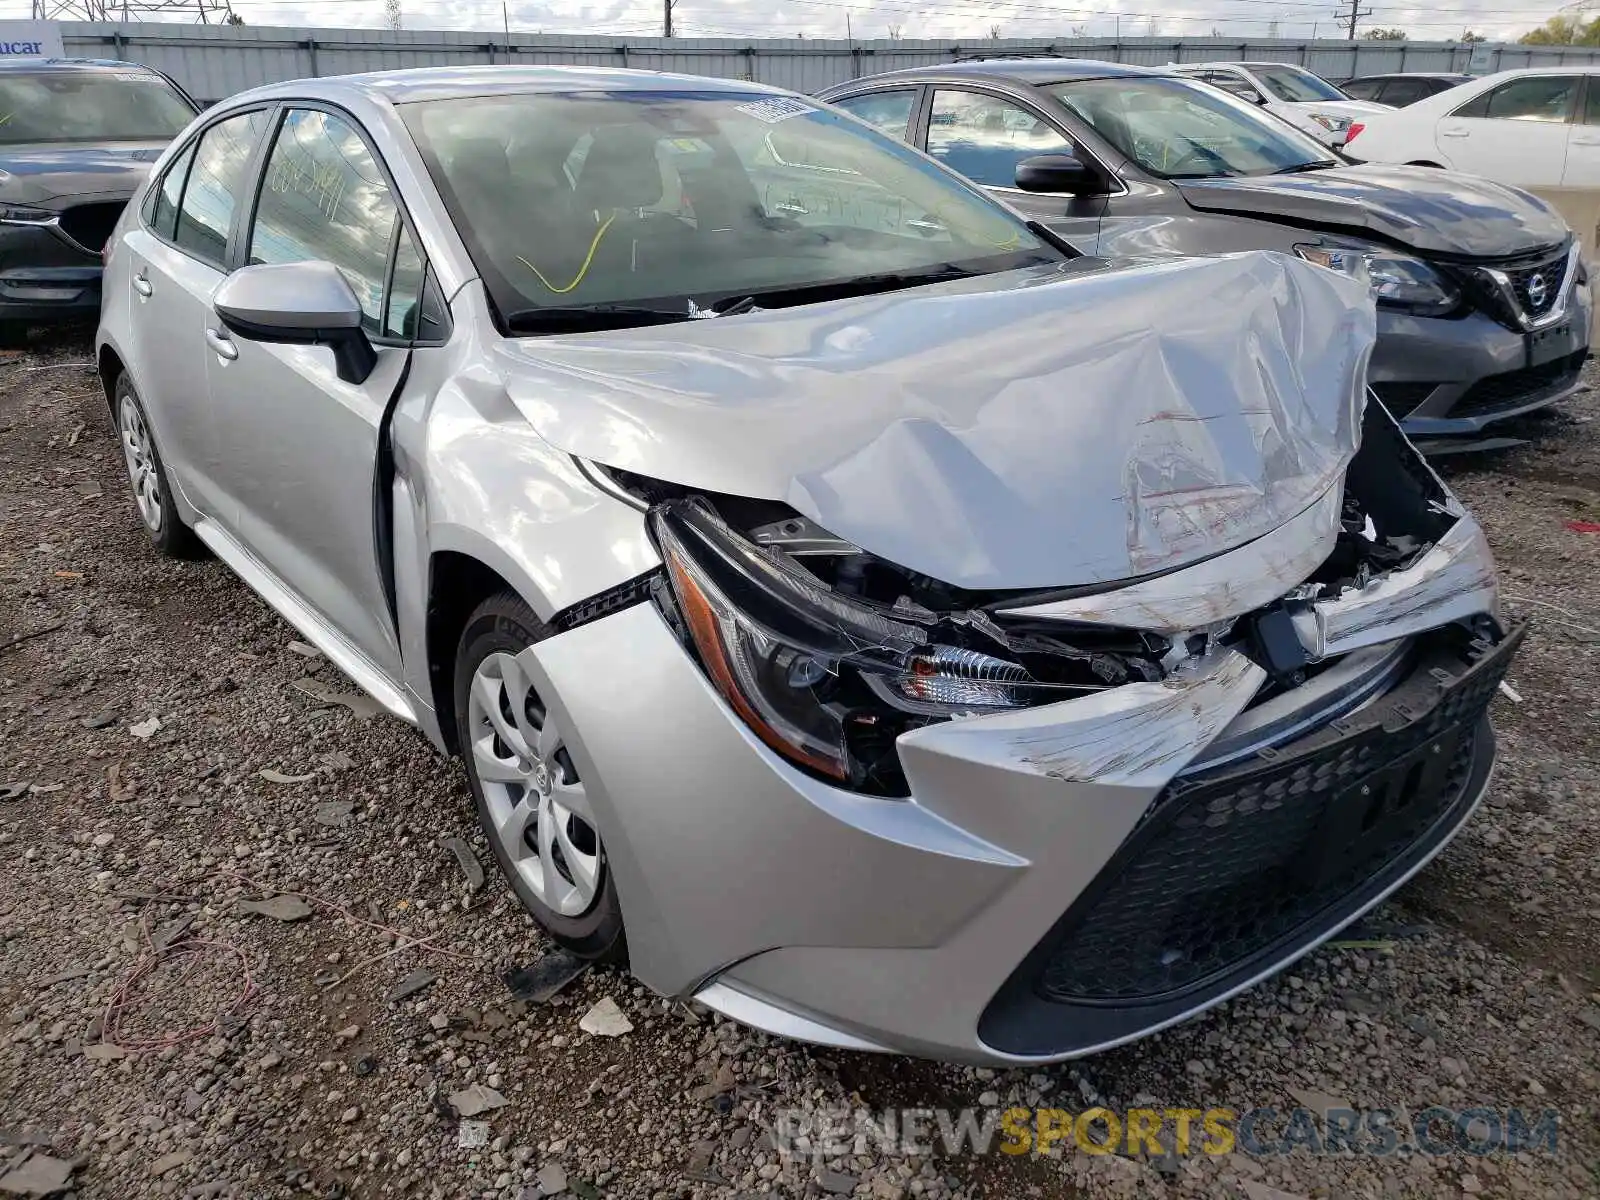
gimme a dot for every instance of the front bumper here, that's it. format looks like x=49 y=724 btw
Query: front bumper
x=1454 y=377
x=44 y=277
x=906 y=925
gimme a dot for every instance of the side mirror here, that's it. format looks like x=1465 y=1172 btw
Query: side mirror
x=1058 y=173
x=303 y=304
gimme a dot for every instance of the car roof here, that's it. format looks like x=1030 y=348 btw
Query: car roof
x=1035 y=70
x=449 y=83
x=1245 y=64
x=102 y=65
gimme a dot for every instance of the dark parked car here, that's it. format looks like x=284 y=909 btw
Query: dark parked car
x=1483 y=300
x=77 y=137
x=1397 y=91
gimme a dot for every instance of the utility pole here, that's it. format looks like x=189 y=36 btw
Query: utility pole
x=1349 y=19
x=666 y=17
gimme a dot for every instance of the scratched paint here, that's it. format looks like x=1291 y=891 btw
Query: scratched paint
x=1451 y=582
x=1138 y=736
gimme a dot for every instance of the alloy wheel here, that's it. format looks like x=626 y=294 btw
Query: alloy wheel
x=139 y=453
x=538 y=811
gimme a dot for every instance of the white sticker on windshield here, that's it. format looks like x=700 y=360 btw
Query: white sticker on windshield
x=779 y=108
x=131 y=77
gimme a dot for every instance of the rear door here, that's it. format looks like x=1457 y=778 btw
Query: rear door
x=1515 y=133
x=1582 y=168
x=177 y=255
x=301 y=444
x=984 y=135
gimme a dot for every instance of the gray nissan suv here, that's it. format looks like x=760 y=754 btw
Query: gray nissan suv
x=1483 y=300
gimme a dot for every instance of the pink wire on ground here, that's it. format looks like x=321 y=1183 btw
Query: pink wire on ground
x=123 y=994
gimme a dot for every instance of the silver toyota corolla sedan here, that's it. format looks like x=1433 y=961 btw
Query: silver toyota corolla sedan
x=860 y=613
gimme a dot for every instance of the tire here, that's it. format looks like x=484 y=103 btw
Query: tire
x=13 y=335
x=526 y=787
x=147 y=477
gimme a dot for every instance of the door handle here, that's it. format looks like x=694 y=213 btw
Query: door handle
x=141 y=284
x=1591 y=140
x=1452 y=133
x=222 y=344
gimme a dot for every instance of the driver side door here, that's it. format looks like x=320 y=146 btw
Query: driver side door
x=983 y=136
x=301 y=443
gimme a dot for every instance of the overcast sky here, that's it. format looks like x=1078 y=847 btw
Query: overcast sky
x=1498 y=19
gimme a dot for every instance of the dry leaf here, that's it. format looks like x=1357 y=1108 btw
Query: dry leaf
x=272 y=776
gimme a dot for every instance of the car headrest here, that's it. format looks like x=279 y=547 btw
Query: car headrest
x=621 y=169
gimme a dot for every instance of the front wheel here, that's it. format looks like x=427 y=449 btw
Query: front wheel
x=530 y=800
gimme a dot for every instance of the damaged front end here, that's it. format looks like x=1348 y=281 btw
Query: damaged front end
x=831 y=654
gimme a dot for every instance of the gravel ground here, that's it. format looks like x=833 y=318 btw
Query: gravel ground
x=166 y=1041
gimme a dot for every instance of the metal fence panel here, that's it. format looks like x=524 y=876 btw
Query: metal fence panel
x=215 y=61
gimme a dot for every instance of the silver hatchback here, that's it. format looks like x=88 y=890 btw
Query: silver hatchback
x=852 y=608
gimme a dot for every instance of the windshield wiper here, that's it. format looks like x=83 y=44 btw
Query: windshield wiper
x=577 y=318
x=1316 y=164
x=839 y=289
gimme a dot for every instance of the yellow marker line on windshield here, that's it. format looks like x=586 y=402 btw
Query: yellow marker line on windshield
x=582 y=271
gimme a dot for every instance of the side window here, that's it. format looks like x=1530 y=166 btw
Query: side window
x=1362 y=89
x=1235 y=85
x=1543 y=98
x=401 y=307
x=1591 y=102
x=985 y=137
x=1401 y=92
x=889 y=112
x=216 y=183
x=161 y=213
x=323 y=197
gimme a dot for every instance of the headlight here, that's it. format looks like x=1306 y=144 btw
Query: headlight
x=1397 y=280
x=1331 y=124
x=15 y=215
x=808 y=669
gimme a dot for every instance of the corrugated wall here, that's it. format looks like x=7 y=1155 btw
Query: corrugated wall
x=216 y=61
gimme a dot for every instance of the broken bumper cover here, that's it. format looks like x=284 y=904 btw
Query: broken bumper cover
x=906 y=924
x=1236 y=872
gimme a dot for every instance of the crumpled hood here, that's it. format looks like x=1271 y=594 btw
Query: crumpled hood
x=1057 y=426
x=1426 y=209
x=38 y=173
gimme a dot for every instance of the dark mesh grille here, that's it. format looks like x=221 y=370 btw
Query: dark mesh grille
x=1537 y=288
x=1229 y=864
x=91 y=224
x=1495 y=393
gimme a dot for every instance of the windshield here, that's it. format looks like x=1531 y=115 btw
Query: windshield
x=1295 y=85
x=678 y=201
x=89 y=106
x=1177 y=130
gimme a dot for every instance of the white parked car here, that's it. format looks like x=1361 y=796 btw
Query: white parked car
x=1533 y=128
x=1306 y=100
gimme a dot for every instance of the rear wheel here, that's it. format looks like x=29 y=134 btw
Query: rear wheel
x=152 y=493
x=532 y=804
x=13 y=335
